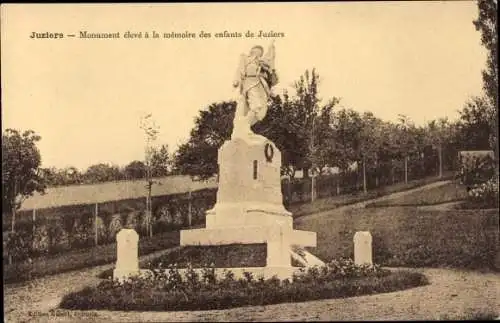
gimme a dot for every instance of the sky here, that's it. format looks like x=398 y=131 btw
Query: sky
x=85 y=97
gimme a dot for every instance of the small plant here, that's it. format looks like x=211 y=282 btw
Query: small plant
x=208 y=274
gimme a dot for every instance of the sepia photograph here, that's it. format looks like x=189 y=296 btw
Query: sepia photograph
x=252 y=161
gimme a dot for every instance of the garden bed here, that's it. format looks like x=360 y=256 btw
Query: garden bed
x=160 y=292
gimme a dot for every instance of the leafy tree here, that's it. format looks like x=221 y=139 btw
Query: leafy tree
x=135 y=170
x=101 y=173
x=324 y=142
x=307 y=104
x=486 y=23
x=21 y=175
x=160 y=161
x=347 y=127
x=61 y=177
x=474 y=125
x=198 y=157
x=370 y=142
x=439 y=133
x=151 y=131
x=406 y=140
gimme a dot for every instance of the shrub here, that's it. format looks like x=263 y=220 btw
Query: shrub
x=168 y=290
x=484 y=195
x=18 y=245
x=475 y=169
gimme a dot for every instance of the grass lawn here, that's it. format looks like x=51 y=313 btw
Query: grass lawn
x=451 y=192
x=407 y=236
x=333 y=202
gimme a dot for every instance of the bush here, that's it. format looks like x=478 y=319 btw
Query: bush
x=476 y=169
x=484 y=195
x=18 y=245
x=169 y=291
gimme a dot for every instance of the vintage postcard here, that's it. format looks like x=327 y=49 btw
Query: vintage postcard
x=327 y=161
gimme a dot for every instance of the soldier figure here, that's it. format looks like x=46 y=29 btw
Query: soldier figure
x=254 y=79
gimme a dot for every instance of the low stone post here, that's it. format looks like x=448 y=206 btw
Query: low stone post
x=363 y=248
x=278 y=247
x=127 y=254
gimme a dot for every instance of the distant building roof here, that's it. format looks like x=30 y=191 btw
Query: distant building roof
x=113 y=191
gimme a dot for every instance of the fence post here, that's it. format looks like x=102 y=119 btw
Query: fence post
x=406 y=169
x=312 y=187
x=95 y=223
x=189 y=208
x=33 y=230
x=364 y=175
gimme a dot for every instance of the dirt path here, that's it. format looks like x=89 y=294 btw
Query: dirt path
x=378 y=199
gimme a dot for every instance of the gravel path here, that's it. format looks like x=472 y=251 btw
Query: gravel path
x=451 y=292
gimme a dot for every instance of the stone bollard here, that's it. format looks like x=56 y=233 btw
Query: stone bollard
x=127 y=254
x=363 y=248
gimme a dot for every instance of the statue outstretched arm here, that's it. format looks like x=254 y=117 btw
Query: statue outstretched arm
x=270 y=55
x=240 y=72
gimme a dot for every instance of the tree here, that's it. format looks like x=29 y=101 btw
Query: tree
x=406 y=140
x=486 y=23
x=160 y=161
x=102 y=172
x=213 y=126
x=21 y=174
x=369 y=143
x=135 y=170
x=290 y=124
x=61 y=177
x=151 y=131
x=474 y=126
x=439 y=133
x=323 y=149
x=307 y=103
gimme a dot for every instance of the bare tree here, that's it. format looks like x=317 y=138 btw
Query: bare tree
x=151 y=131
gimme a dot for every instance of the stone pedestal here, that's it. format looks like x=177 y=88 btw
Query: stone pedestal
x=249 y=207
x=363 y=248
x=127 y=259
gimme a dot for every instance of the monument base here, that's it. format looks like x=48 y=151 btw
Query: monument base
x=249 y=206
x=124 y=274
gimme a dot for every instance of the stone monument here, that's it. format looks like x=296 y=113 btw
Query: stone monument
x=249 y=207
